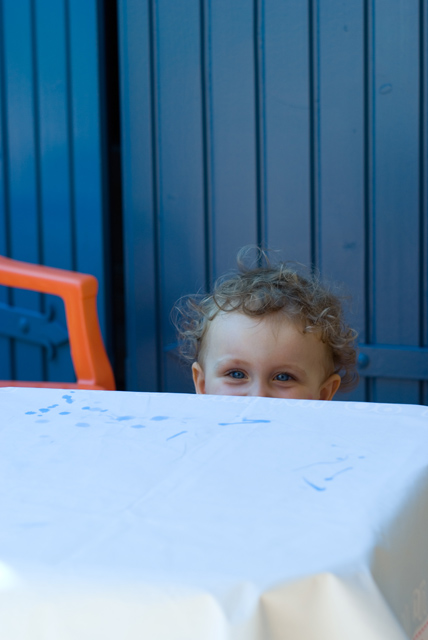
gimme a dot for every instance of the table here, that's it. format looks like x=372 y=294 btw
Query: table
x=181 y=517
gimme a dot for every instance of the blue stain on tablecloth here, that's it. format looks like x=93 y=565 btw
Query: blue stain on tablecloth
x=314 y=486
x=338 y=472
x=176 y=435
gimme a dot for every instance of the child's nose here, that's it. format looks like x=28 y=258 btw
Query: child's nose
x=261 y=389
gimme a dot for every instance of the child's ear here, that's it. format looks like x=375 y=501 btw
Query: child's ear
x=330 y=386
x=198 y=377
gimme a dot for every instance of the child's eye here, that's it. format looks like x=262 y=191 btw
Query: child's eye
x=237 y=375
x=283 y=377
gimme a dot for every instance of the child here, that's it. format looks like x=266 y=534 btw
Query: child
x=268 y=331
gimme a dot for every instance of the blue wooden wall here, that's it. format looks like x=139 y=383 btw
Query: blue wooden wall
x=298 y=125
x=52 y=208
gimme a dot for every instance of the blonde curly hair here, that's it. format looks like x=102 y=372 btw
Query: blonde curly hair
x=271 y=289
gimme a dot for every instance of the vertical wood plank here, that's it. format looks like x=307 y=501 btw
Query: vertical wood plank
x=341 y=155
x=396 y=185
x=287 y=131
x=6 y=356
x=233 y=132
x=139 y=174
x=21 y=105
x=55 y=191
x=423 y=176
x=181 y=177
x=87 y=169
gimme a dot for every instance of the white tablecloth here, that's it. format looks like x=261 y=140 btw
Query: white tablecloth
x=178 y=517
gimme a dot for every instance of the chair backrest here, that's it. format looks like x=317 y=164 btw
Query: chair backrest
x=79 y=293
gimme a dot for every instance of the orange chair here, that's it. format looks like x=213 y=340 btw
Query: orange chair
x=79 y=292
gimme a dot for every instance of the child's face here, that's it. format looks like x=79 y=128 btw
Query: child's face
x=268 y=356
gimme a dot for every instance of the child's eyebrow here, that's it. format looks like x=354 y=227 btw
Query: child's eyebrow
x=231 y=361
x=291 y=368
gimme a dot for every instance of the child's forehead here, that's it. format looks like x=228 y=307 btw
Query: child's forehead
x=234 y=331
x=228 y=326
x=263 y=322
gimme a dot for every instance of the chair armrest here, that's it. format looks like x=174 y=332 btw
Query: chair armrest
x=78 y=291
x=36 y=277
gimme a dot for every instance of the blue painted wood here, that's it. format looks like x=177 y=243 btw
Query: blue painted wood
x=287 y=129
x=86 y=121
x=396 y=184
x=386 y=361
x=56 y=215
x=298 y=125
x=6 y=360
x=233 y=133
x=181 y=176
x=339 y=153
x=423 y=154
x=140 y=197
x=52 y=207
x=24 y=195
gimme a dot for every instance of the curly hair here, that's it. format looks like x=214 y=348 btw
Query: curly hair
x=267 y=290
